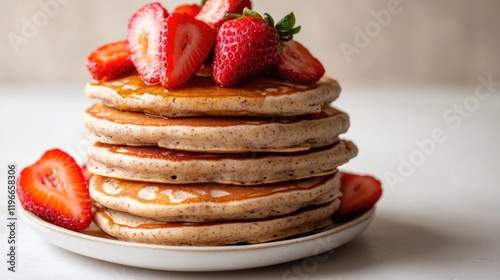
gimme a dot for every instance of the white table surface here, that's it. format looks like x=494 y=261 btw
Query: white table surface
x=441 y=222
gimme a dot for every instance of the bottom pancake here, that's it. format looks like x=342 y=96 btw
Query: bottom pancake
x=132 y=228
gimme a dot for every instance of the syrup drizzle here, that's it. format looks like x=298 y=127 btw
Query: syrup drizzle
x=200 y=86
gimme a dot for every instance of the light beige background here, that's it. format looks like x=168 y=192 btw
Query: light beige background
x=427 y=42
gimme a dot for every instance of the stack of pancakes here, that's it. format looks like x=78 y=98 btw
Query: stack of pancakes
x=207 y=165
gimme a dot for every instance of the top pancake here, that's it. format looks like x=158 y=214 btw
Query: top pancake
x=260 y=96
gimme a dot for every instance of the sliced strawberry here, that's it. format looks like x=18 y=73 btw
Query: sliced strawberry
x=143 y=36
x=191 y=9
x=359 y=193
x=185 y=45
x=86 y=174
x=213 y=11
x=54 y=189
x=296 y=64
x=110 y=61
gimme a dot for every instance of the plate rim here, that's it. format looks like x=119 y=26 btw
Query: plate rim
x=360 y=223
x=330 y=230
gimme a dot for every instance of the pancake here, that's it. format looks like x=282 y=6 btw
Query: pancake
x=154 y=164
x=260 y=96
x=128 y=227
x=215 y=134
x=212 y=202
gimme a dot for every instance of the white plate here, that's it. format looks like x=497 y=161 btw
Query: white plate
x=93 y=243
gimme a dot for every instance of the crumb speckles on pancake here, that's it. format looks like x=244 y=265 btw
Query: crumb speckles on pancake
x=212 y=202
x=153 y=164
x=215 y=134
x=137 y=229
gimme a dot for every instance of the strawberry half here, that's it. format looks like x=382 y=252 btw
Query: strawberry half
x=185 y=45
x=110 y=61
x=359 y=193
x=213 y=11
x=190 y=9
x=296 y=64
x=54 y=189
x=143 y=36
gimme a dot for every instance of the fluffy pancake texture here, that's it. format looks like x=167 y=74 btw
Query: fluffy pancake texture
x=212 y=202
x=205 y=165
x=129 y=227
x=210 y=134
x=154 y=164
x=260 y=96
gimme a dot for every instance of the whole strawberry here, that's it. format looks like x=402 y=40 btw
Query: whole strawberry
x=248 y=45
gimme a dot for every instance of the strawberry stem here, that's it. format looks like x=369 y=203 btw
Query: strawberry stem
x=286 y=23
x=285 y=26
x=269 y=19
x=232 y=16
x=287 y=35
x=250 y=13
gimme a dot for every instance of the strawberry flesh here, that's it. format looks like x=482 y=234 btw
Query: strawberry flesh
x=54 y=189
x=185 y=44
x=244 y=47
x=143 y=36
x=213 y=11
x=190 y=9
x=297 y=65
x=359 y=193
x=110 y=62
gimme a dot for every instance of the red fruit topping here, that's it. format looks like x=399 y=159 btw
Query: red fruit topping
x=185 y=45
x=191 y=9
x=359 y=193
x=110 y=61
x=143 y=36
x=296 y=64
x=54 y=189
x=213 y=11
x=244 y=47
